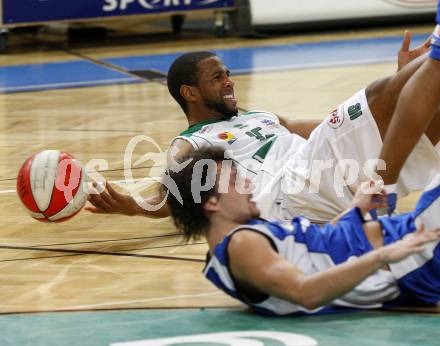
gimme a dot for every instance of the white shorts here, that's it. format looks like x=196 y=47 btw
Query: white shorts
x=339 y=155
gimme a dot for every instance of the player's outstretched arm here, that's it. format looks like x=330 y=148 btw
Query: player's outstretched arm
x=269 y=273
x=110 y=201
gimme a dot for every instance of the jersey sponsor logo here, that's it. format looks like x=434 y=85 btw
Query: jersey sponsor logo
x=241 y=126
x=206 y=129
x=230 y=338
x=227 y=137
x=335 y=119
x=355 y=111
x=269 y=123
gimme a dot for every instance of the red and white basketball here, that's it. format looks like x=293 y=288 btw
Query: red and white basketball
x=52 y=185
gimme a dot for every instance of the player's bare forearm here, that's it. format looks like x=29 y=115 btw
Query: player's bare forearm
x=154 y=207
x=302 y=128
x=270 y=273
x=324 y=287
x=110 y=201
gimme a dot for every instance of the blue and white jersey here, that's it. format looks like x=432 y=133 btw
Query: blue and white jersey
x=311 y=249
x=414 y=280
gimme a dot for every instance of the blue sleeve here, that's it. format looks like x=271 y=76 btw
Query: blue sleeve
x=341 y=241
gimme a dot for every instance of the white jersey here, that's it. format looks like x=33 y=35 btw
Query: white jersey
x=247 y=137
x=317 y=177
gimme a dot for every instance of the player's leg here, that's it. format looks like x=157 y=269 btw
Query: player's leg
x=433 y=131
x=382 y=95
x=415 y=111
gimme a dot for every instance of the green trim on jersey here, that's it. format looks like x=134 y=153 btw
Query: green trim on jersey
x=261 y=153
x=250 y=113
x=190 y=130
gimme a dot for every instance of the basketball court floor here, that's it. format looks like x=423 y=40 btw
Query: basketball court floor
x=98 y=280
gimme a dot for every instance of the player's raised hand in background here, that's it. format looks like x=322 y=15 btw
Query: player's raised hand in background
x=406 y=55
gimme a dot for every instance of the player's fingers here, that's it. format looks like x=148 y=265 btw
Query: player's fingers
x=380 y=205
x=427 y=42
x=406 y=41
x=94 y=210
x=423 y=48
x=421 y=229
x=111 y=190
x=379 y=201
x=106 y=198
x=416 y=249
x=99 y=202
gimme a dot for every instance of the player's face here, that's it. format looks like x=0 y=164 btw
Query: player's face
x=216 y=88
x=237 y=203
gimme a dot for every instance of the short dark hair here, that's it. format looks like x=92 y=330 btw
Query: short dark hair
x=190 y=216
x=183 y=71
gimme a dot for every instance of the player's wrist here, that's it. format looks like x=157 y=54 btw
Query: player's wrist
x=382 y=256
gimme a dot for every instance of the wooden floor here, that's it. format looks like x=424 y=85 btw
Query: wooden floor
x=105 y=262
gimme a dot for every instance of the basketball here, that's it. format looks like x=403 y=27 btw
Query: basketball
x=52 y=185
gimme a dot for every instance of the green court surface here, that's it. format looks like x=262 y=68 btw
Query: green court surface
x=107 y=327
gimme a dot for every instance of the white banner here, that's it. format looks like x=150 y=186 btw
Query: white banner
x=270 y=12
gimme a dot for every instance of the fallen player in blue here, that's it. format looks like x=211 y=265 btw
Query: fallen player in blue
x=290 y=267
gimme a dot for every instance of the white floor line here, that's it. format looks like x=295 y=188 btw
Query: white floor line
x=8 y=191
x=126 y=302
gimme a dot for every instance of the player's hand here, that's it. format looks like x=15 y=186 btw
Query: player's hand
x=411 y=244
x=109 y=201
x=405 y=55
x=370 y=195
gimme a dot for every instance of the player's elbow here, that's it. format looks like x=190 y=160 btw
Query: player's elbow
x=310 y=302
x=304 y=296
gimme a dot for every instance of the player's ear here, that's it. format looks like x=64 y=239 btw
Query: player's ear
x=187 y=92
x=211 y=204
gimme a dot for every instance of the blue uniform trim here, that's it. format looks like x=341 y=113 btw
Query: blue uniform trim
x=396 y=227
x=435 y=51
x=435 y=39
x=426 y=199
x=438 y=12
x=212 y=276
x=340 y=241
x=221 y=251
x=423 y=284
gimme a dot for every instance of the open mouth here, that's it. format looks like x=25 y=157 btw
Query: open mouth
x=231 y=98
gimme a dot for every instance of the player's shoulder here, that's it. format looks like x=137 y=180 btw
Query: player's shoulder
x=247 y=237
x=201 y=127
